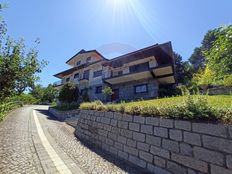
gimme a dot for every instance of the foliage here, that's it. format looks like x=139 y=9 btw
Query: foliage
x=227 y=80
x=69 y=93
x=219 y=56
x=107 y=91
x=195 y=107
x=198 y=59
x=204 y=77
x=183 y=70
x=44 y=94
x=18 y=66
x=67 y=106
x=10 y=103
x=168 y=91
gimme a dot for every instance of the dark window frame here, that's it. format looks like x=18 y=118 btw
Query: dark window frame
x=97 y=91
x=78 y=63
x=75 y=76
x=67 y=79
x=140 y=86
x=88 y=59
x=97 y=73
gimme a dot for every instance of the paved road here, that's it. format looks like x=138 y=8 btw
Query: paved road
x=31 y=141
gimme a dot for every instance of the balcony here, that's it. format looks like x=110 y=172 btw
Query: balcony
x=84 y=80
x=164 y=75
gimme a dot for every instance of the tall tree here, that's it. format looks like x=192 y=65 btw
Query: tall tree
x=183 y=70
x=197 y=59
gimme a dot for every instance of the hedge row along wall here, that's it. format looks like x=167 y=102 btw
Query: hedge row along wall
x=160 y=145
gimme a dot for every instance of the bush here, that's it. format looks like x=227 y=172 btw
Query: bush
x=190 y=107
x=69 y=93
x=227 y=80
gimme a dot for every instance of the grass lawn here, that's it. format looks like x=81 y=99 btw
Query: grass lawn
x=195 y=107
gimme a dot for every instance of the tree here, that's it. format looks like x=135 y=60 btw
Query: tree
x=69 y=93
x=50 y=94
x=18 y=67
x=183 y=70
x=219 y=56
x=204 y=78
x=198 y=59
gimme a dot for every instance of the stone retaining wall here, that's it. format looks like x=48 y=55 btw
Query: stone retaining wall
x=159 y=145
x=64 y=115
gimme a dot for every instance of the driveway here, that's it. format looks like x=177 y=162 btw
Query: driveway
x=32 y=141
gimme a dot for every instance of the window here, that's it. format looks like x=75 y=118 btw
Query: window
x=84 y=91
x=78 y=63
x=76 y=76
x=139 y=67
x=67 y=79
x=86 y=74
x=97 y=73
x=98 y=90
x=88 y=59
x=141 y=88
x=120 y=73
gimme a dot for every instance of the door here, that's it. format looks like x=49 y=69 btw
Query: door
x=115 y=95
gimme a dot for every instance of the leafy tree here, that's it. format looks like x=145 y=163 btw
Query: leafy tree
x=18 y=67
x=204 y=78
x=50 y=94
x=198 y=59
x=107 y=91
x=38 y=92
x=219 y=56
x=69 y=93
x=183 y=70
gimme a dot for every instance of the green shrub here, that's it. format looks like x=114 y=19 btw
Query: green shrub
x=190 y=107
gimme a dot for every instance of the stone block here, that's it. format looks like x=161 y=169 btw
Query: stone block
x=123 y=155
x=190 y=171
x=219 y=170
x=113 y=150
x=139 y=119
x=113 y=122
x=123 y=124
x=139 y=136
x=146 y=156
x=190 y=162
x=229 y=161
x=122 y=139
x=230 y=131
x=152 y=121
x=170 y=145
x=210 y=129
x=109 y=142
x=164 y=122
x=186 y=149
x=117 y=116
x=158 y=161
x=126 y=133
x=105 y=120
x=153 y=140
x=218 y=144
x=134 y=126
x=127 y=117
x=175 y=134
x=112 y=136
x=147 y=129
x=137 y=161
x=143 y=146
x=155 y=169
x=208 y=155
x=131 y=150
x=192 y=138
x=184 y=125
x=161 y=132
x=131 y=143
x=118 y=146
x=109 y=114
x=176 y=168
x=160 y=152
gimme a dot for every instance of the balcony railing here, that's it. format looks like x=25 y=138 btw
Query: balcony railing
x=58 y=83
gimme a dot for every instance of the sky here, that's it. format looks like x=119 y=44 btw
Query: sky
x=113 y=27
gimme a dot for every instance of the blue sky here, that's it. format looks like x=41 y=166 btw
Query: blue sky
x=113 y=27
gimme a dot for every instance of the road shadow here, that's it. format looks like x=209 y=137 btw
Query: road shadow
x=48 y=115
x=122 y=164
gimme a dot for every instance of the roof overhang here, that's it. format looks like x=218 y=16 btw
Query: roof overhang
x=163 y=74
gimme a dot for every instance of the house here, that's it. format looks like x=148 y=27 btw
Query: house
x=133 y=76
